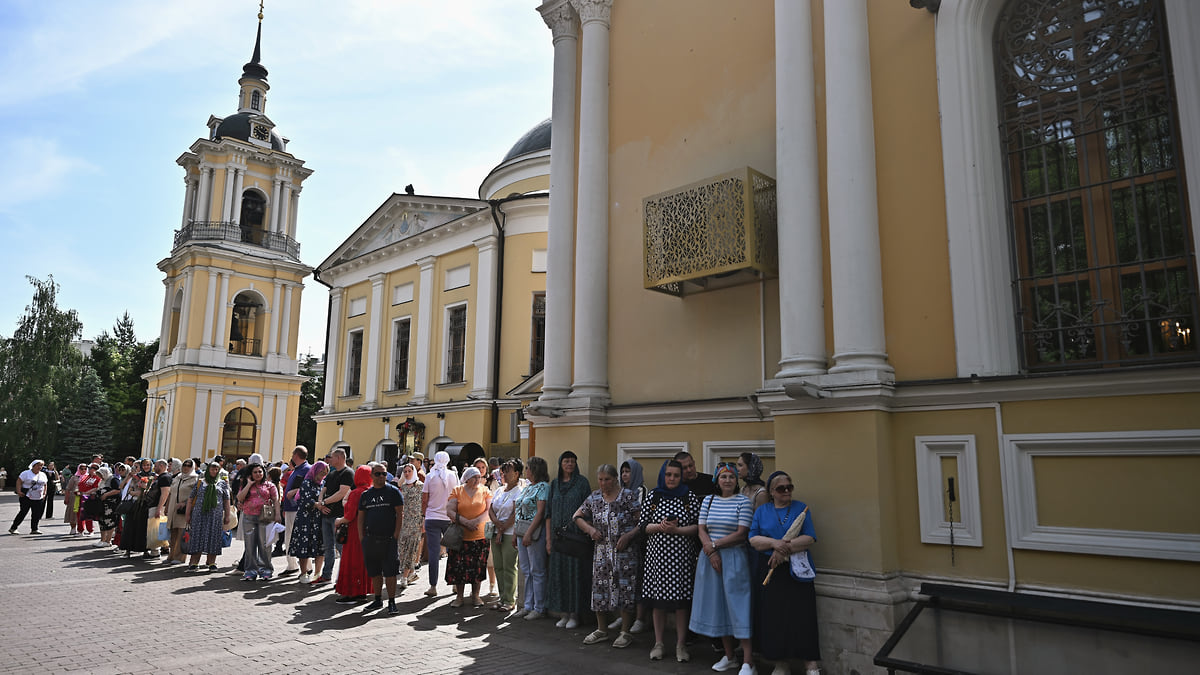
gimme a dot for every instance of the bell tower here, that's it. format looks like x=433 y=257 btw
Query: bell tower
x=225 y=377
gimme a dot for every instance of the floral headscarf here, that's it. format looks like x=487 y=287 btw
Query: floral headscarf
x=754 y=468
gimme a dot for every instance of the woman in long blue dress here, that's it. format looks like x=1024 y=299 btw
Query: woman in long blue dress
x=208 y=510
x=306 y=540
x=570 y=577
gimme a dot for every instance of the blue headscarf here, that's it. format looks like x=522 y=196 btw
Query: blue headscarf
x=680 y=490
x=635 y=474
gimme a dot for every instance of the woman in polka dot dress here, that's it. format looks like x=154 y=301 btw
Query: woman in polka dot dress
x=669 y=520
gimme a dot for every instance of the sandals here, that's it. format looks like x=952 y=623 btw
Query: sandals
x=478 y=603
x=457 y=602
x=595 y=637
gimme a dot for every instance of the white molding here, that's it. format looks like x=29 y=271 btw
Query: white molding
x=713 y=450
x=457 y=277
x=445 y=369
x=935 y=528
x=1021 y=507
x=662 y=450
x=522 y=167
x=402 y=293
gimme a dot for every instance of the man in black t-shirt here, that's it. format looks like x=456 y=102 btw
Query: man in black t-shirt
x=701 y=484
x=338 y=484
x=381 y=514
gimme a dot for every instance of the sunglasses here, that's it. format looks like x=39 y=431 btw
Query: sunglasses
x=784 y=488
x=378 y=473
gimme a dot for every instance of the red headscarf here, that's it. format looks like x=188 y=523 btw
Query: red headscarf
x=362 y=481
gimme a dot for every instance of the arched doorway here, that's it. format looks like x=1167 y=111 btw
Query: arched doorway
x=239 y=435
x=388 y=451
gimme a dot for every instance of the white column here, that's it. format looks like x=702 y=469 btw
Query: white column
x=273 y=323
x=164 y=333
x=420 y=383
x=202 y=209
x=858 y=337
x=210 y=300
x=280 y=421
x=222 y=338
x=374 y=346
x=197 y=441
x=335 y=332
x=285 y=200
x=227 y=203
x=274 y=223
x=560 y=264
x=267 y=423
x=285 y=324
x=189 y=194
x=185 y=311
x=485 y=316
x=797 y=194
x=238 y=183
x=591 y=251
x=291 y=229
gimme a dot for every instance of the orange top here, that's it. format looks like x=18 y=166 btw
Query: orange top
x=471 y=507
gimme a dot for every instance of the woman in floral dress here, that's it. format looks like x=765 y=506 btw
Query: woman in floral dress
x=208 y=510
x=411 y=532
x=610 y=517
x=306 y=540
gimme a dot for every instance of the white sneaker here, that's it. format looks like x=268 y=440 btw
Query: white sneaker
x=534 y=616
x=781 y=668
x=572 y=624
x=748 y=669
x=615 y=624
x=304 y=578
x=637 y=627
x=100 y=544
x=562 y=623
x=724 y=664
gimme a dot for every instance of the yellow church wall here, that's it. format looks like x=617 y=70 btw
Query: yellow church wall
x=516 y=330
x=1114 y=413
x=437 y=346
x=694 y=101
x=1166 y=579
x=410 y=274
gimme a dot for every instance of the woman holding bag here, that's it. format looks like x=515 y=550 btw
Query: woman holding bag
x=569 y=575
x=208 y=510
x=412 y=529
x=260 y=508
x=307 y=540
x=177 y=501
x=468 y=508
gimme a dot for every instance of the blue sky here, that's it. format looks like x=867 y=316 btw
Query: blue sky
x=97 y=100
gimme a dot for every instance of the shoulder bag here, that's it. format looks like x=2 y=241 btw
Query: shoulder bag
x=522 y=526
x=452 y=538
x=574 y=544
x=269 y=513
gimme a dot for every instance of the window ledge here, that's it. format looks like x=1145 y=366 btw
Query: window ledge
x=350 y=397
x=451 y=385
x=396 y=392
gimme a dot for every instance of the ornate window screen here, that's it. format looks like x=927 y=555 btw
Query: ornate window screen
x=711 y=234
x=1105 y=272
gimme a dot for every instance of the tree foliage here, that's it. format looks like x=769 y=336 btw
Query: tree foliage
x=312 y=394
x=86 y=428
x=120 y=360
x=39 y=374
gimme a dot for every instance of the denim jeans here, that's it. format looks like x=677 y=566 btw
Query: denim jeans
x=329 y=540
x=533 y=566
x=434 y=529
x=258 y=554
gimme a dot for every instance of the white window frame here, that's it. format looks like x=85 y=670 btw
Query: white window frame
x=356 y=306
x=446 y=341
x=537 y=263
x=935 y=526
x=346 y=374
x=664 y=450
x=1020 y=488
x=714 y=450
x=457 y=277
x=392 y=352
x=402 y=293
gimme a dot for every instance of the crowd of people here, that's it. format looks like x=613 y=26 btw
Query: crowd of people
x=726 y=556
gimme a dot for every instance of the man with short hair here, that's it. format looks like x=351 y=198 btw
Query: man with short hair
x=338 y=484
x=300 y=468
x=381 y=515
x=701 y=484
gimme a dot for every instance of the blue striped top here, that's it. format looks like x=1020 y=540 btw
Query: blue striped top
x=723 y=515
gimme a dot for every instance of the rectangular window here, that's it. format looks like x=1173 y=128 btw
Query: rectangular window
x=537 y=343
x=358 y=306
x=354 y=363
x=456 y=342
x=400 y=354
x=458 y=277
x=402 y=294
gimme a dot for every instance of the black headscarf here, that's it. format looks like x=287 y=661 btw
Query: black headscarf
x=567 y=455
x=680 y=490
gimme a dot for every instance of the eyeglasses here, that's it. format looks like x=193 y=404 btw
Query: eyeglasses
x=784 y=488
x=378 y=473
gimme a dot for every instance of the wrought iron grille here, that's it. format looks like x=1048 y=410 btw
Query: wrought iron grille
x=1104 y=266
x=400 y=355
x=711 y=234
x=456 y=351
x=198 y=230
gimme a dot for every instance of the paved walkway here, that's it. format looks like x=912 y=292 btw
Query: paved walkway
x=69 y=607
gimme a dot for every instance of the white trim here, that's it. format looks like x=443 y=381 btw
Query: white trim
x=714 y=450
x=537 y=263
x=1021 y=507
x=935 y=528
x=445 y=370
x=391 y=381
x=522 y=167
x=402 y=293
x=346 y=370
x=356 y=306
x=457 y=277
x=663 y=450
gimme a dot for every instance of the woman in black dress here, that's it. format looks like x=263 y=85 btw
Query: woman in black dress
x=133 y=533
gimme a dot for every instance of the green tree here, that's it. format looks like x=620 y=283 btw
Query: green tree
x=86 y=428
x=120 y=360
x=312 y=394
x=39 y=372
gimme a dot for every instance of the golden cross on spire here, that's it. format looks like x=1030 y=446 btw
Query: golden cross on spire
x=260 y=10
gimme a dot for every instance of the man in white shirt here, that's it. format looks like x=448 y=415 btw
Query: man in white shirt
x=31 y=487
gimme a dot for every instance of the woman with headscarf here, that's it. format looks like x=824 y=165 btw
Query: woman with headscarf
x=412 y=529
x=569 y=576
x=110 y=498
x=632 y=479
x=87 y=488
x=177 y=499
x=785 y=614
x=531 y=526
x=353 y=585
x=209 y=509
x=133 y=535
x=489 y=483
x=71 y=498
x=669 y=521
x=306 y=542
x=468 y=507
x=434 y=495
x=749 y=469
x=31 y=488
x=610 y=517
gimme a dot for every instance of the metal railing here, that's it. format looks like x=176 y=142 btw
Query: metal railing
x=198 y=230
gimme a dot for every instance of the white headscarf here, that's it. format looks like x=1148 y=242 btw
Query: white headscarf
x=404 y=473
x=38 y=461
x=254 y=459
x=470 y=473
x=439 y=471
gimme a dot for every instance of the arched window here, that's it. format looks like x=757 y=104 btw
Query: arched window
x=255 y=100
x=248 y=325
x=254 y=209
x=1104 y=266
x=239 y=434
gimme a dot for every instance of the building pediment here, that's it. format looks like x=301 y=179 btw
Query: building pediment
x=402 y=217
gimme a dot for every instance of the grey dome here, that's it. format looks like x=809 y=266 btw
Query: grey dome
x=238 y=126
x=537 y=138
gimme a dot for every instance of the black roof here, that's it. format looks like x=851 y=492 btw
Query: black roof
x=238 y=126
x=537 y=138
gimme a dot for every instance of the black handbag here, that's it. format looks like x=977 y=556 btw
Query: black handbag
x=127 y=506
x=574 y=544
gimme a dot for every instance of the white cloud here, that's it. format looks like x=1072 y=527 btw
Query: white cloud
x=34 y=168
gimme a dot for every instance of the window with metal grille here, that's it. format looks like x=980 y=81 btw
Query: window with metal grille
x=537 y=346
x=354 y=363
x=1105 y=273
x=400 y=354
x=456 y=341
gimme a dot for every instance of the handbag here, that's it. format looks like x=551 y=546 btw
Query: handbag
x=452 y=538
x=574 y=544
x=342 y=533
x=268 y=513
x=522 y=527
x=489 y=530
x=127 y=506
x=93 y=508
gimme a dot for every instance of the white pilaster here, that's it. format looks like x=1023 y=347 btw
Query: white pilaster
x=206 y=178
x=855 y=272
x=238 y=182
x=291 y=230
x=222 y=338
x=227 y=203
x=274 y=222
x=374 y=347
x=184 y=313
x=485 y=316
x=285 y=337
x=420 y=383
x=281 y=422
x=798 y=198
x=267 y=425
x=164 y=333
x=331 y=360
x=591 y=252
x=215 y=423
x=189 y=195
x=197 y=440
x=285 y=201
x=210 y=300
x=273 y=320
x=560 y=264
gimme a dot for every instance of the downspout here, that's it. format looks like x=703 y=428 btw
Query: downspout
x=328 y=322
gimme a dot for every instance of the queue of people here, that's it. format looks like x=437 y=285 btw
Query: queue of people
x=723 y=556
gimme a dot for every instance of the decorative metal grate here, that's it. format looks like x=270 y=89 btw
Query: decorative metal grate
x=711 y=234
x=198 y=230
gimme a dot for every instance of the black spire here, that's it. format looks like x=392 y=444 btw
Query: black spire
x=254 y=68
